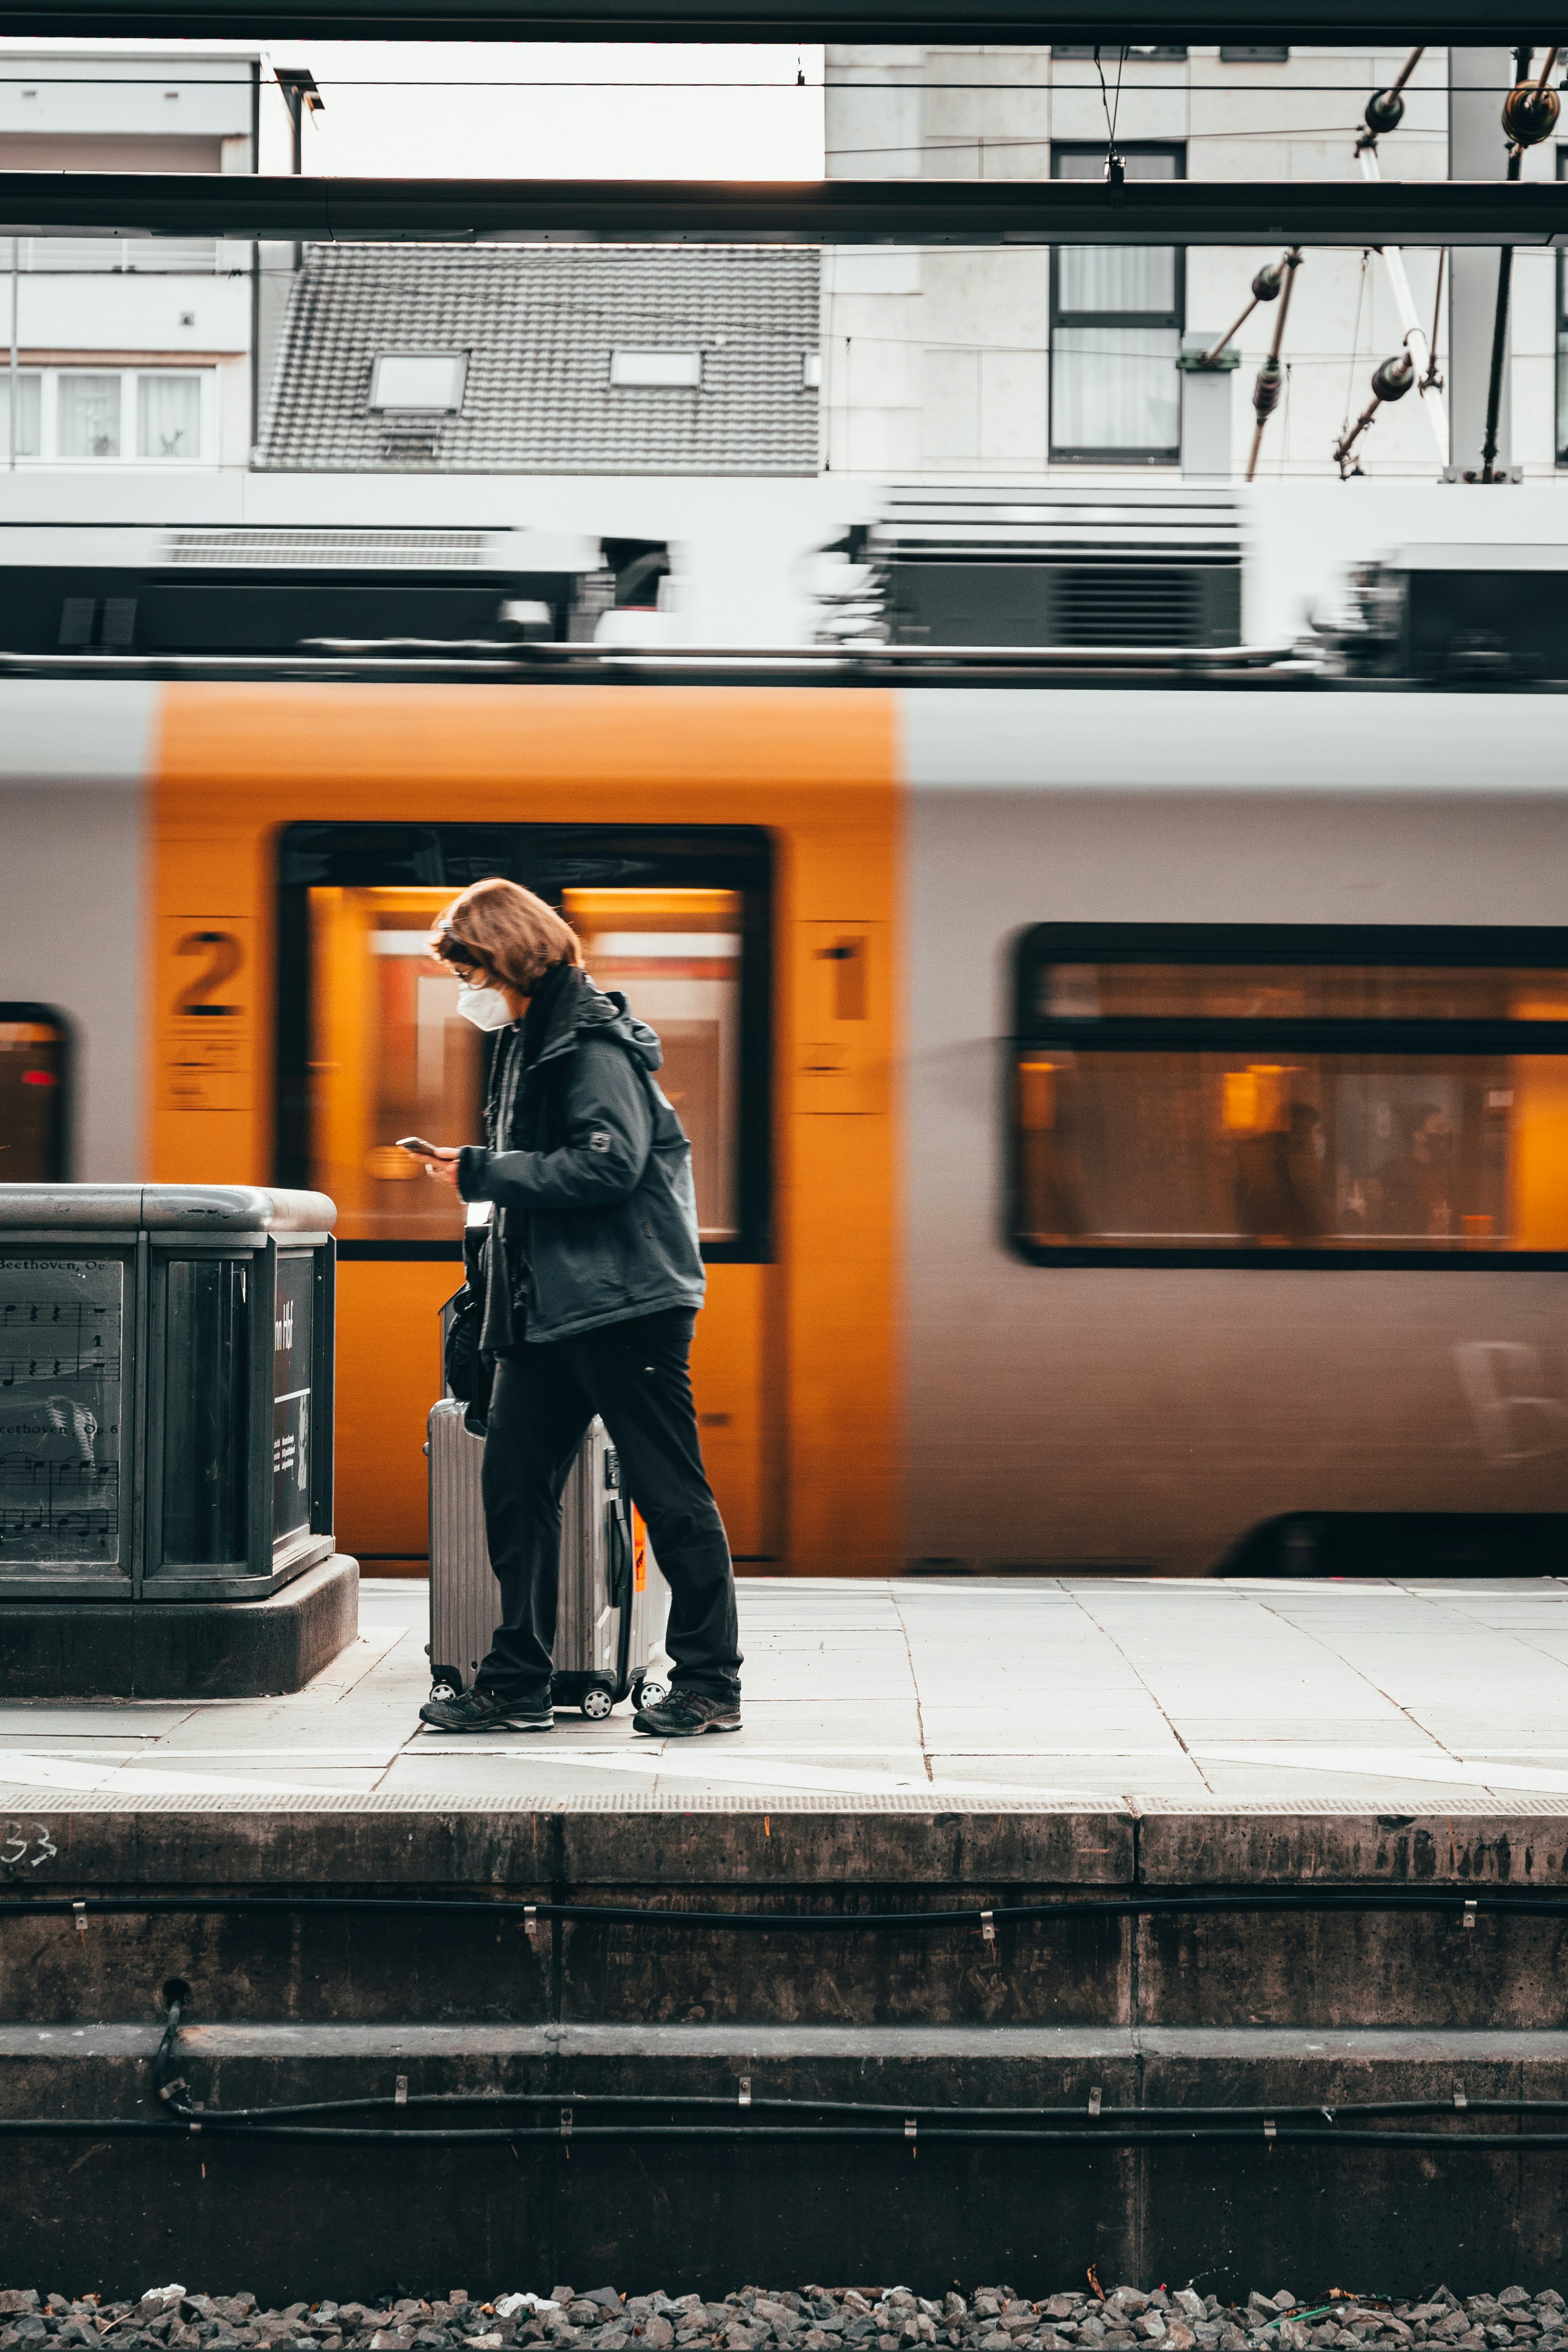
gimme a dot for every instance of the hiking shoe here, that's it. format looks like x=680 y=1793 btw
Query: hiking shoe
x=685 y=1714
x=482 y=1711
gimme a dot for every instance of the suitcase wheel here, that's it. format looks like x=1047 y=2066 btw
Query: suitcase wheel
x=648 y=1690
x=596 y=1704
x=446 y=1682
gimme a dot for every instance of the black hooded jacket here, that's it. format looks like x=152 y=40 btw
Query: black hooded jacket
x=594 y=1218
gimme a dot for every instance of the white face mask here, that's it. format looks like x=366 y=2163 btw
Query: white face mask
x=487 y=1008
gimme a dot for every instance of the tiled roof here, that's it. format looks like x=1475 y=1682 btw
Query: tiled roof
x=540 y=323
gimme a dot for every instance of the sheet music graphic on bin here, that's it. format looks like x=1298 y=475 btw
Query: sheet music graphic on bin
x=60 y=1326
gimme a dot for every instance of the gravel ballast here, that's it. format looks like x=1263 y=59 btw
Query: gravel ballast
x=814 y=2319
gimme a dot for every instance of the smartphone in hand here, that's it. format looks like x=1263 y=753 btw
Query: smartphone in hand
x=417 y=1145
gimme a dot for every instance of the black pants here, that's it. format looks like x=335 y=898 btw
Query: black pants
x=635 y=1376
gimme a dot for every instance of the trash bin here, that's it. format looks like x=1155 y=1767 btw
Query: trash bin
x=166 y=1440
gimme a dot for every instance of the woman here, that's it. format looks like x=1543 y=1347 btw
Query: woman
x=592 y=1281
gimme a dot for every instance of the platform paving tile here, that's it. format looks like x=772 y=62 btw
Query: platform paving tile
x=1104 y=1691
x=1106 y=1778
x=87 y=1719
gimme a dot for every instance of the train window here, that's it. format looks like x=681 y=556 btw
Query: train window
x=1217 y=992
x=675 y=955
x=34 y=1057
x=372 y=1045
x=1393 y=1096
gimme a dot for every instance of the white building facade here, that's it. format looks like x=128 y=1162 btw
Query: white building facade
x=127 y=353
x=1024 y=362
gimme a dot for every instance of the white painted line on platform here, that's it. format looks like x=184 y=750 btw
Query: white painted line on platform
x=475 y=1743
x=57 y=1773
x=762 y=1771
x=1390 y=1764
x=365 y=1753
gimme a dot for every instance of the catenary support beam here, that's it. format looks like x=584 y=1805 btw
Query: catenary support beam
x=1389 y=24
x=816 y=211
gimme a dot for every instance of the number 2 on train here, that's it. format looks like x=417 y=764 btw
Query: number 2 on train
x=224 y=956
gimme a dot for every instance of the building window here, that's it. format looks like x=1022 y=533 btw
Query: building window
x=432 y=382
x=74 y=417
x=1117 y=313
x=168 y=416
x=57 y=256
x=28 y=390
x=680 y=367
x=1254 y=53
x=1243 y=1095
x=89 y=415
x=1144 y=53
x=1562 y=331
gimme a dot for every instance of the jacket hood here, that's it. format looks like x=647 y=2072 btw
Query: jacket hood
x=581 y=1005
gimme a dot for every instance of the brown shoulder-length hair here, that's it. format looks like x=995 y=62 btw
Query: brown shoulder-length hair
x=503 y=931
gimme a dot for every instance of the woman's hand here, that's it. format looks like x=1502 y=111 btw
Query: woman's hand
x=445 y=1168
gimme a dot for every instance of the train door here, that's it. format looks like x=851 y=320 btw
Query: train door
x=372 y=1047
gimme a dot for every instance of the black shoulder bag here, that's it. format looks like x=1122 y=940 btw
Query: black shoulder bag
x=469 y=1370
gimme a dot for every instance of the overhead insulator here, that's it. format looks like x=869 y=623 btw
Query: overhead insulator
x=1265 y=391
x=1270 y=278
x=1384 y=112
x=1389 y=382
x=1393 y=379
x=1530 y=113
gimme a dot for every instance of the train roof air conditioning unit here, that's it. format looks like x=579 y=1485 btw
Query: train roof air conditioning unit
x=1073 y=568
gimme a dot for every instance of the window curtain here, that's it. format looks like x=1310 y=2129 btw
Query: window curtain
x=89 y=417
x=168 y=417
x=29 y=409
x=1115 y=388
x=1115 y=277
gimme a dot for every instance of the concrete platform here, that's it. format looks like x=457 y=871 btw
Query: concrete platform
x=908 y=1748
x=1127 y=1692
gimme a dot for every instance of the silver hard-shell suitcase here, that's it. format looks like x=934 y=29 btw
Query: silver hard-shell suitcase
x=614 y=1605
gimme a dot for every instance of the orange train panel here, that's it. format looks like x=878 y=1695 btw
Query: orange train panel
x=797 y=1364
x=389 y=1370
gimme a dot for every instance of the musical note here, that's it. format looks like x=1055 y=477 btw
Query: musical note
x=59 y=1432
x=58 y=1368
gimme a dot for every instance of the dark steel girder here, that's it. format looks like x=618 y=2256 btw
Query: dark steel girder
x=1392 y=23
x=812 y=212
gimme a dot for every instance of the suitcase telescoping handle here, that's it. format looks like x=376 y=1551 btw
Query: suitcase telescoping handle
x=621 y=1588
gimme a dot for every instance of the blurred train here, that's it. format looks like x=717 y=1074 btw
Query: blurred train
x=1131 y=1120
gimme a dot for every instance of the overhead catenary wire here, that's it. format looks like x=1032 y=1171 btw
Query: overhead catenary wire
x=784 y=80
x=1356 y=343
x=1432 y=375
x=1115 y=168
